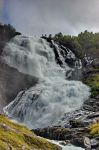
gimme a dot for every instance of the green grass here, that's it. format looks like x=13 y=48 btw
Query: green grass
x=93 y=82
x=94 y=130
x=18 y=136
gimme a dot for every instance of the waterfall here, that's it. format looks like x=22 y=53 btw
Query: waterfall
x=46 y=102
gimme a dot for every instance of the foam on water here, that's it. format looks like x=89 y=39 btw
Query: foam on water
x=67 y=147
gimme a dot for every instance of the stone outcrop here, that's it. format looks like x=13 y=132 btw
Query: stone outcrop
x=73 y=135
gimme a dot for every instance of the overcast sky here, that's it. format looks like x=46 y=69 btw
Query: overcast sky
x=34 y=17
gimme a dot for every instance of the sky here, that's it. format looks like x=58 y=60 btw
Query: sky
x=36 y=17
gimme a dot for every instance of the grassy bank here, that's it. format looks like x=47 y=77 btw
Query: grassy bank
x=18 y=137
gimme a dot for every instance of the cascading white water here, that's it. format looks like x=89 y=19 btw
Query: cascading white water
x=67 y=147
x=45 y=103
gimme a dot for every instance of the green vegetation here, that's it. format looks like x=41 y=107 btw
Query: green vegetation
x=85 y=43
x=94 y=130
x=19 y=137
x=7 y=32
x=93 y=82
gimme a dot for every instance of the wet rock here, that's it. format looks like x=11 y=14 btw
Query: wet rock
x=95 y=63
x=72 y=135
x=78 y=117
x=88 y=108
x=94 y=143
x=64 y=143
x=91 y=104
x=93 y=115
x=78 y=141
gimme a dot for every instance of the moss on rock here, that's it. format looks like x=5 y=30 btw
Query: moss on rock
x=94 y=130
x=16 y=136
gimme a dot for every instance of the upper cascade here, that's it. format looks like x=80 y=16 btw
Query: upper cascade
x=46 y=102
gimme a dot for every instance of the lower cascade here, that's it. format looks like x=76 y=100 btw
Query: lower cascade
x=45 y=103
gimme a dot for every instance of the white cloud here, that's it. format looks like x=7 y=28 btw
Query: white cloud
x=52 y=16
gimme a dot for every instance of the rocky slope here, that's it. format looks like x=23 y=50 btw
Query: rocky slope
x=11 y=83
x=74 y=135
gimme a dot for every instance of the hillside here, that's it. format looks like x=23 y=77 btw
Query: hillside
x=17 y=137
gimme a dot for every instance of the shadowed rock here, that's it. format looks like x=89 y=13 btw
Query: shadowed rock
x=12 y=82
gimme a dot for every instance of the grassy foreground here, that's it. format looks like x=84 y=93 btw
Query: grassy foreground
x=18 y=137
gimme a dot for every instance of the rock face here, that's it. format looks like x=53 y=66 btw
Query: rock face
x=6 y=33
x=69 y=57
x=11 y=83
x=76 y=134
x=73 y=135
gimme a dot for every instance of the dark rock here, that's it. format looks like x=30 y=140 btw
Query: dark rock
x=95 y=63
x=6 y=33
x=78 y=141
x=92 y=104
x=70 y=61
x=93 y=115
x=73 y=135
x=94 y=143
